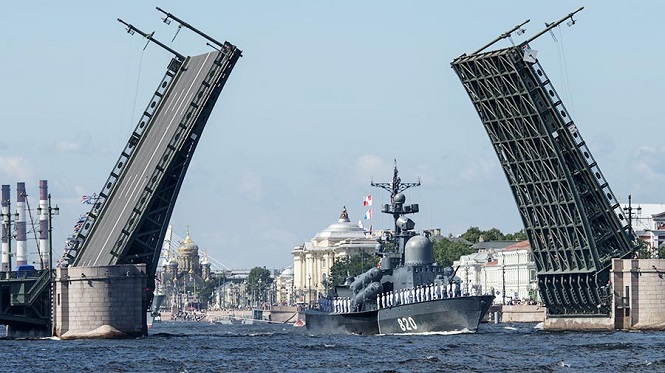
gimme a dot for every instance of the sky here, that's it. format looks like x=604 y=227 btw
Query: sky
x=326 y=96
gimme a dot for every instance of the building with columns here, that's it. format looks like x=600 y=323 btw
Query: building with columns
x=312 y=260
x=506 y=270
x=285 y=288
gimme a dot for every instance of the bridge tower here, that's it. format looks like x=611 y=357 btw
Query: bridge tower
x=574 y=222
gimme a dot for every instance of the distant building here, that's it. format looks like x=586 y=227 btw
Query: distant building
x=182 y=276
x=500 y=265
x=312 y=260
x=648 y=222
x=285 y=287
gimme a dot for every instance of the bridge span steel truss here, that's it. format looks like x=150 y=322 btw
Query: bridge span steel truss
x=141 y=238
x=573 y=221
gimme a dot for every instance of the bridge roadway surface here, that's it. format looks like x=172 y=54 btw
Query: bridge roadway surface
x=132 y=181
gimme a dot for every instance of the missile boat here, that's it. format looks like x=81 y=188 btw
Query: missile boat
x=407 y=293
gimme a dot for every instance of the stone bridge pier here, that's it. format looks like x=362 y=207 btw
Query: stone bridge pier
x=100 y=302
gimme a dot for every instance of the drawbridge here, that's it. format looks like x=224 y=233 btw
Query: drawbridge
x=128 y=221
x=574 y=222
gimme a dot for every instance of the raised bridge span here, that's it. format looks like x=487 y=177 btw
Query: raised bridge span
x=128 y=221
x=574 y=222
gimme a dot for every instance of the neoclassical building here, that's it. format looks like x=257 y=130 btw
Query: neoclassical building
x=285 y=287
x=499 y=267
x=312 y=260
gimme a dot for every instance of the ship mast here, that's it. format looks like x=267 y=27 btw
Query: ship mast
x=397 y=208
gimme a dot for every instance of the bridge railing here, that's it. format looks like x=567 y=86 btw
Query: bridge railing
x=144 y=123
x=28 y=297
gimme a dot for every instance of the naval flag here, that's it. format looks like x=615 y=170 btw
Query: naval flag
x=368 y=214
x=367 y=201
x=89 y=200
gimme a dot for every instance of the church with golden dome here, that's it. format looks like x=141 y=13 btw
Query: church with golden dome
x=181 y=273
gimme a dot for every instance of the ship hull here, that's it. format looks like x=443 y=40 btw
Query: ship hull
x=365 y=322
x=462 y=314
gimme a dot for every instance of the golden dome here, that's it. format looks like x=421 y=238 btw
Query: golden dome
x=188 y=247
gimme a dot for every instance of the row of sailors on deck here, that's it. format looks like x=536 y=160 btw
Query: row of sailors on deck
x=421 y=293
x=336 y=305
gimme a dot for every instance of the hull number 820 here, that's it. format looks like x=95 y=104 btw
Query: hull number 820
x=407 y=324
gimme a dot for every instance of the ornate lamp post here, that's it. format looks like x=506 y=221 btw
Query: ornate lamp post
x=309 y=289
x=503 y=279
x=258 y=295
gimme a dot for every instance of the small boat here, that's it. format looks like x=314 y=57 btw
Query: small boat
x=230 y=320
x=299 y=324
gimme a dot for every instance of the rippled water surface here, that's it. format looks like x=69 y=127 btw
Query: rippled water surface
x=204 y=347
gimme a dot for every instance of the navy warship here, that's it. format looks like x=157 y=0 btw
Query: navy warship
x=407 y=293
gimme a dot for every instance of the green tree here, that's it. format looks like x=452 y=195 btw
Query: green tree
x=207 y=289
x=517 y=236
x=351 y=266
x=446 y=251
x=472 y=234
x=493 y=234
x=258 y=281
x=642 y=249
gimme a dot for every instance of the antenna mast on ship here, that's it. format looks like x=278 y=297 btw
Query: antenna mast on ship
x=397 y=208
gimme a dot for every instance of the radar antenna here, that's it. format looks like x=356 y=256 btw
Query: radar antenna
x=396 y=186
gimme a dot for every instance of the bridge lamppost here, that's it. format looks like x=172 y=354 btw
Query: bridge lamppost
x=629 y=211
x=50 y=212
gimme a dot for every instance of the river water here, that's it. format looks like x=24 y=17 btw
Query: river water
x=205 y=347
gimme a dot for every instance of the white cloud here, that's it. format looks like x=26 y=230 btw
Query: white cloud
x=66 y=147
x=649 y=167
x=371 y=165
x=15 y=168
